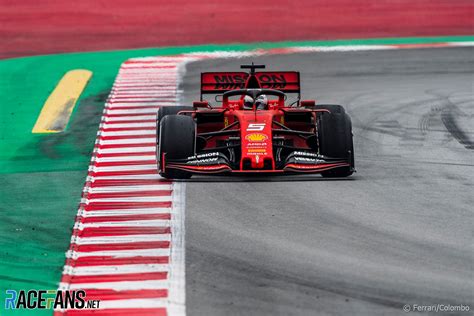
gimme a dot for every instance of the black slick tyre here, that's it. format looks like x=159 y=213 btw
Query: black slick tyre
x=177 y=140
x=335 y=138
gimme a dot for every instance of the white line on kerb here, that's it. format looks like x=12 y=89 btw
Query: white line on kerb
x=126 y=158
x=123 y=168
x=129 y=199
x=118 y=148
x=150 y=252
x=121 y=285
x=139 y=223
x=115 y=269
x=134 y=303
x=109 y=119
x=126 y=125
x=125 y=212
x=119 y=239
x=155 y=186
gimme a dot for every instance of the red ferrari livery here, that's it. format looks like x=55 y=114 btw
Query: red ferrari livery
x=254 y=130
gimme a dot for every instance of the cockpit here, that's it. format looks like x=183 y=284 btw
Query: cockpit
x=253 y=99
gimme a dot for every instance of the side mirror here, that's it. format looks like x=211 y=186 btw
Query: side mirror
x=308 y=103
x=201 y=104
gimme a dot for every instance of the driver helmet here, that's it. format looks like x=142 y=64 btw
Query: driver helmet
x=261 y=102
x=248 y=102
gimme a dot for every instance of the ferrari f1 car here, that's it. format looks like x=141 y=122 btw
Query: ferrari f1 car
x=254 y=129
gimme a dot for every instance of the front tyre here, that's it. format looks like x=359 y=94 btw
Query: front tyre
x=168 y=110
x=177 y=140
x=335 y=138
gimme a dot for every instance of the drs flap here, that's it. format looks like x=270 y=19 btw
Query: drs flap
x=219 y=82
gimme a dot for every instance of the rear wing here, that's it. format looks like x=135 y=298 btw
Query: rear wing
x=220 y=82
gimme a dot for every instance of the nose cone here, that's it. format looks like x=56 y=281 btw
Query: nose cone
x=256 y=136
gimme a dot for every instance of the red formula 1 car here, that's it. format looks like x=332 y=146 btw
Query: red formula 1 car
x=254 y=130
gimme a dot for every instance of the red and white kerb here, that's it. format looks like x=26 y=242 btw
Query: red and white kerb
x=127 y=247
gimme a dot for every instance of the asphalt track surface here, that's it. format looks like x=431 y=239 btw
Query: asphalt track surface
x=399 y=231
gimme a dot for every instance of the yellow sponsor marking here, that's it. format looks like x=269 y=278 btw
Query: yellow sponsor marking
x=257 y=150
x=256 y=137
x=58 y=107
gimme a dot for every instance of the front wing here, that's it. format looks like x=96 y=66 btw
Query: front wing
x=217 y=163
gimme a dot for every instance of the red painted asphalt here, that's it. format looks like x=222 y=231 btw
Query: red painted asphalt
x=31 y=27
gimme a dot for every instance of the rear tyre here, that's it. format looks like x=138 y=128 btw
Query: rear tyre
x=335 y=137
x=177 y=139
